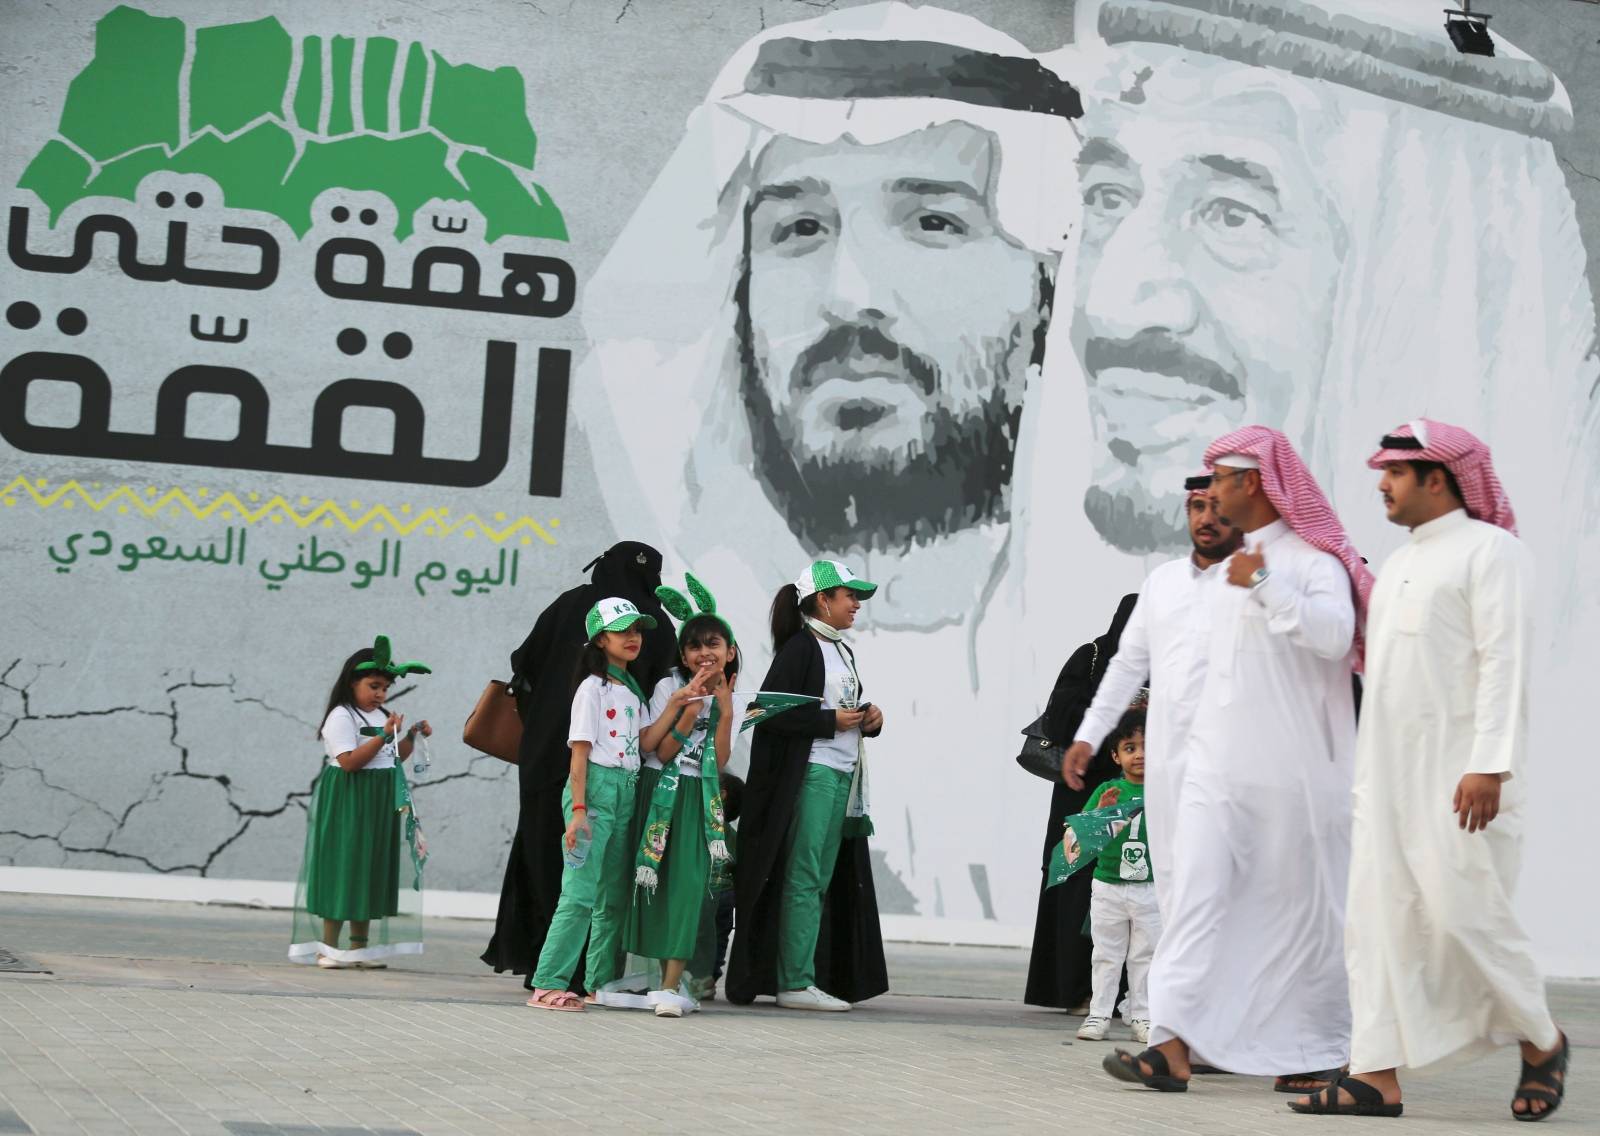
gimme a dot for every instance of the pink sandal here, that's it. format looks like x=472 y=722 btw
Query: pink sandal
x=562 y=1000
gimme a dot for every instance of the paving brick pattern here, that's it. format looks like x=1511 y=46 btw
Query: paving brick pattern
x=174 y=1044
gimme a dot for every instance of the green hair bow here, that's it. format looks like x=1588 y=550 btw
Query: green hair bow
x=678 y=606
x=383 y=662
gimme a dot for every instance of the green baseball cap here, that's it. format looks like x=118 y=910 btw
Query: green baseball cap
x=825 y=574
x=615 y=614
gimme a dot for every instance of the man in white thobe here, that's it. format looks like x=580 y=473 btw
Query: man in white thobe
x=1440 y=969
x=1249 y=975
x=1165 y=638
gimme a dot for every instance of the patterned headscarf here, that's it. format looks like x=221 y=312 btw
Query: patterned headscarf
x=1300 y=501
x=1463 y=454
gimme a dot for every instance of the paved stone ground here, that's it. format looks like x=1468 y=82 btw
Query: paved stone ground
x=162 y=1017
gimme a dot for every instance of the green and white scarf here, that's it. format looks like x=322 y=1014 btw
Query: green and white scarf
x=630 y=682
x=857 y=813
x=658 y=825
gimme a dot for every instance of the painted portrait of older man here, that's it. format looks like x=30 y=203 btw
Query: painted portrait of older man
x=1311 y=213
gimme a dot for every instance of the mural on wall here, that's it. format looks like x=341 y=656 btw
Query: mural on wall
x=830 y=305
x=958 y=306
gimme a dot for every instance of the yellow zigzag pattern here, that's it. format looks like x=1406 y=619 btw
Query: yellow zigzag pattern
x=277 y=509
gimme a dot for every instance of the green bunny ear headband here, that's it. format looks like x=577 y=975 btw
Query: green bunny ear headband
x=383 y=662
x=677 y=605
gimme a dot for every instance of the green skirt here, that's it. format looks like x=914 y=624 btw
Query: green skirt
x=665 y=924
x=353 y=846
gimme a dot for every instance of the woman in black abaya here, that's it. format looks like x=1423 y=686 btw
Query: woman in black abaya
x=1058 y=970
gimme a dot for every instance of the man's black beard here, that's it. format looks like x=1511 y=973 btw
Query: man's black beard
x=1222 y=551
x=962 y=478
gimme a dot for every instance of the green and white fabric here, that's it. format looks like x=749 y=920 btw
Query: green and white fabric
x=615 y=614
x=660 y=824
x=835 y=751
x=594 y=895
x=383 y=662
x=814 y=838
x=677 y=605
x=1086 y=834
x=821 y=575
x=1125 y=859
x=364 y=853
x=608 y=715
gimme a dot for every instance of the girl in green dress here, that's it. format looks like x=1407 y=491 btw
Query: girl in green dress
x=359 y=825
x=682 y=855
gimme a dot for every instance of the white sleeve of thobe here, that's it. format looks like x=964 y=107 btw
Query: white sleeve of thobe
x=1500 y=584
x=1125 y=674
x=1321 y=618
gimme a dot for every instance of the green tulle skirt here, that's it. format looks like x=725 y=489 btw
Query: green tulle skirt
x=359 y=866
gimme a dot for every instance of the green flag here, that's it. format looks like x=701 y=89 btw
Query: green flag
x=763 y=704
x=1086 y=835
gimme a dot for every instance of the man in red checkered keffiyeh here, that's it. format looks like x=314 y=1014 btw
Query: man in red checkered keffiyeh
x=1440 y=966
x=1460 y=452
x=1298 y=499
x=1250 y=974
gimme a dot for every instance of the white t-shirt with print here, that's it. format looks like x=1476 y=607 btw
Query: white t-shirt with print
x=341 y=733
x=607 y=716
x=697 y=735
x=839 y=691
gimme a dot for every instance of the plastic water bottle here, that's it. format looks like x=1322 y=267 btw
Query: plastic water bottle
x=575 y=856
x=420 y=760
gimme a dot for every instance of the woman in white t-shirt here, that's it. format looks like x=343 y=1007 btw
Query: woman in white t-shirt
x=803 y=857
x=357 y=822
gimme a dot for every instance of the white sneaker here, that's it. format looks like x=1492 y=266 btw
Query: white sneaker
x=670 y=1004
x=1141 y=1030
x=668 y=1009
x=1093 y=1028
x=327 y=963
x=811 y=999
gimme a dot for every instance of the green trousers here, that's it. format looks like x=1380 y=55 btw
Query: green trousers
x=813 y=850
x=594 y=896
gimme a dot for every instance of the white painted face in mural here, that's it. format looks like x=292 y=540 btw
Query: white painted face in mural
x=1205 y=284
x=887 y=326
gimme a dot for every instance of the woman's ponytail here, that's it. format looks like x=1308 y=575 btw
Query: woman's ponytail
x=785 y=615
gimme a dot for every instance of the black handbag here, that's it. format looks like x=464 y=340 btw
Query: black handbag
x=1040 y=755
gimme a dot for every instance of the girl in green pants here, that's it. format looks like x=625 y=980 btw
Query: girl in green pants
x=608 y=710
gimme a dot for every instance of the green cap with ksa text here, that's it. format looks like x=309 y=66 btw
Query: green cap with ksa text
x=615 y=614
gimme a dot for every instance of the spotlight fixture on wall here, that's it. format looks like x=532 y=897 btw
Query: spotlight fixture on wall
x=1468 y=30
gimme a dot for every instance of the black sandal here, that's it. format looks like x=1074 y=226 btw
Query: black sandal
x=1552 y=1074
x=1323 y=1077
x=1364 y=1101
x=1124 y=1066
